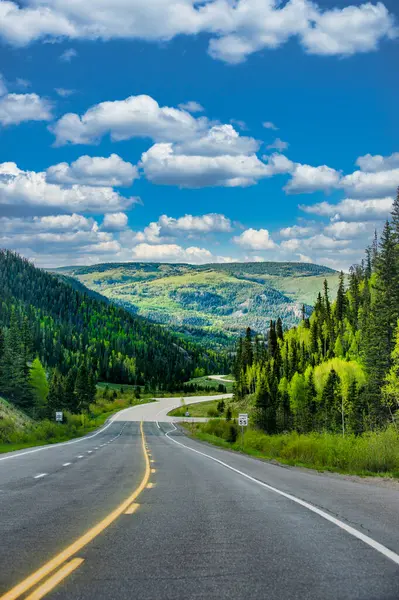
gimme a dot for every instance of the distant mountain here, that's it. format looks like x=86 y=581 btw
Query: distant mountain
x=210 y=303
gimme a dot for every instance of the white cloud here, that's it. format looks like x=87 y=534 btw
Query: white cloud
x=136 y=116
x=352 y=210
x=51 y=223
x=344 y=230
x=29 y=188
x=307 y=179
x=64 y=93
x=374 y=164
x=255 y=239
x=218 y=141
x=68 y=55
x=163 y=166
x=191 y=106
x=236 y=29
x=3 y=86
x=371 y=185
x=278 y=145
x=95 y=171
x=114 y=222
x=269 y=125
x=175 y=253
x=316 y=242
x=212 y=222
x=17 y=108
x=296 y=231
x=349 y=30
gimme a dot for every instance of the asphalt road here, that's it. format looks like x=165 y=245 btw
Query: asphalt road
x=202 y=529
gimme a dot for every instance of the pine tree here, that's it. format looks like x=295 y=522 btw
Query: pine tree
x=82 y=388
x=265 y=410
x=40 y=388
x=14 y=382
x=55 y=397
x=272 y=340
x=279 y=329
x=340 y=306
x=247 y=353
x=71 y=400
x=229 y=414
x=331 y=401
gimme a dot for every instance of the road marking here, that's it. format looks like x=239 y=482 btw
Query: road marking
x=81 y=542
x=152 y=461
x=150 y=485
x=66 y=464
x=55 y=579
x=90 y=452
x=132 y=508
x=82 y=439
x=96 y=448
x=80 y=456
x=157 y=424
x=153 y=470
x=40 y=475
x=351 y=530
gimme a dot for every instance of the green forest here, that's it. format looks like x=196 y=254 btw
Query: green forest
x=338 y=371
x=56 y=342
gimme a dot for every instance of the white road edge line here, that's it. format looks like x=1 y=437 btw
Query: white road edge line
x=157 y=424
x=40 y=475
x=351 y=530
x=82 y=439
x=66 y=464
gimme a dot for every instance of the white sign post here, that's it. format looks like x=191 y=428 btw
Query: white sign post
x=59 y=416
x=243 y=422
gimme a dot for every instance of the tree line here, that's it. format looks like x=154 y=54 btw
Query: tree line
x=338 y=371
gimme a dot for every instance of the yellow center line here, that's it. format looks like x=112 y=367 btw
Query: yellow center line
x=55 y=579
x=153 y=470
x=81 y=542
x=149 y=485
x=132 y=508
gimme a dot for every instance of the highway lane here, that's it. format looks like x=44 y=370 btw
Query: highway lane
x=202 y=530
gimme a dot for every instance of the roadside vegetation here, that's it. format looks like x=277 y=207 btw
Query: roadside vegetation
x=373 y=453
x=18 y=431
x=209 y=408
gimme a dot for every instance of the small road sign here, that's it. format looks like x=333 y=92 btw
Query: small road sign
x=243 y=419
x=187 y=414
x=59 y=416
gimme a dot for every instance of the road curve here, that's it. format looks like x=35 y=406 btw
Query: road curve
x=210 y=524
x=158 y=411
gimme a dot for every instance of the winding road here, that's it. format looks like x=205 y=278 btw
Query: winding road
x=138 y=510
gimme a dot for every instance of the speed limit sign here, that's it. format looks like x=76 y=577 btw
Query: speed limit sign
x=243 y=419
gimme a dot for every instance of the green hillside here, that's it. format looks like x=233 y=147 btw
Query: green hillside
x=214 y=302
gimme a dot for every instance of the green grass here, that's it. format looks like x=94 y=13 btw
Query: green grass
x=372 y=454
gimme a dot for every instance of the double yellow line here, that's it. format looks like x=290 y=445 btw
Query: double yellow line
x=60 y=560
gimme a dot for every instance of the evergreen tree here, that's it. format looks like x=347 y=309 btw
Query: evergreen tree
x=83 y=389
x=229 y=414
x=272 y=340
x=40 y=388
x=279 y=329
x=341 y=299
x=55 y=397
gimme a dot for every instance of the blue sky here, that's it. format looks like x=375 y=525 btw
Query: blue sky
x=186 y=131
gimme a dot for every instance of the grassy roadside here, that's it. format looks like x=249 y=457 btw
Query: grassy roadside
x=14 y=436
x=209 y=408
x=373 y=454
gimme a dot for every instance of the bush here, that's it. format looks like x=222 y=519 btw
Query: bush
x=212 y=413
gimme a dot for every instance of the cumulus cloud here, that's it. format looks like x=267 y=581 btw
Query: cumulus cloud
x=307 y=179
x=50 y=223
x=161 y=165
x=30 y=188
x=375 y=164
x=218 y=141
x=371 y=184
x=17 y=108
x=236 y=29
x=136 y=116
x=192 y=106
x=176 y=253
x=95 y=171
x=315 y=242
x=255 y=239
x=344 y=230
x=352 y=209
x=296 y=231
x=167 y=228
x=114 y=222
